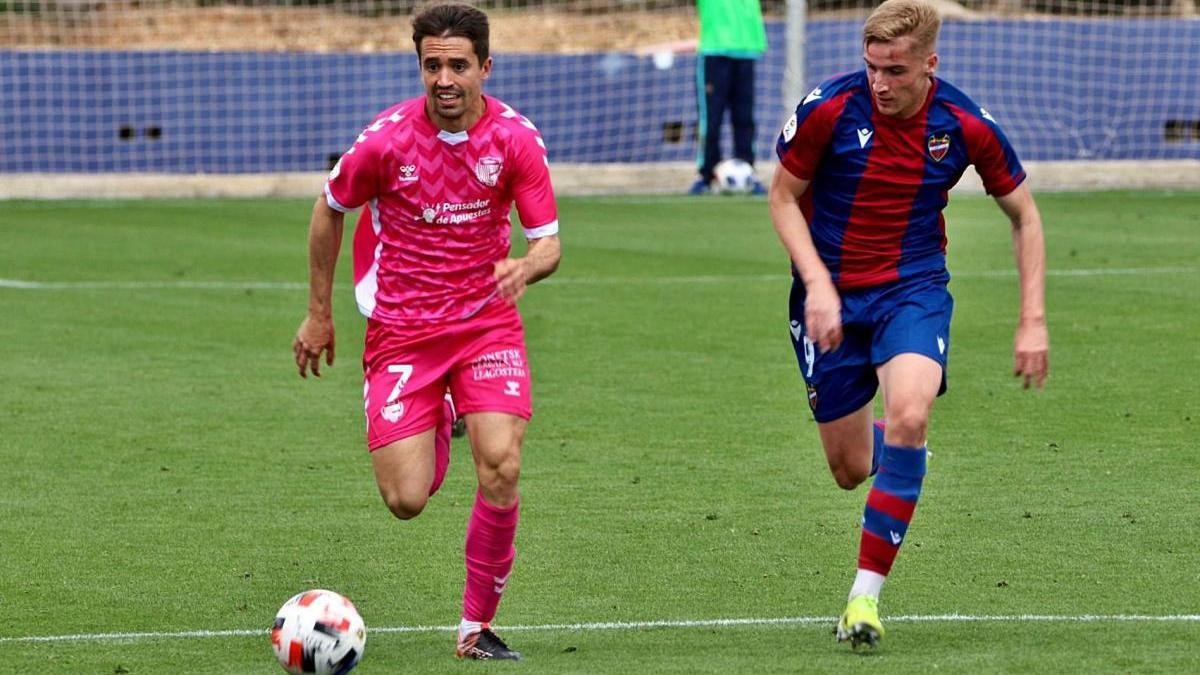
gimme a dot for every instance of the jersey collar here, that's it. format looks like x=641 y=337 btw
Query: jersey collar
x=456 y=137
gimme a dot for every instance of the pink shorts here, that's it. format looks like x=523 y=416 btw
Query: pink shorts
x=481 y=361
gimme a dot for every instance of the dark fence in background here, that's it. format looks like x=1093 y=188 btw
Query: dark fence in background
x=96 y=111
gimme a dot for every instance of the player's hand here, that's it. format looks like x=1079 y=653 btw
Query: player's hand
x=823 y=316
x=511 y=277
x=1031 y=353
x=314 y=336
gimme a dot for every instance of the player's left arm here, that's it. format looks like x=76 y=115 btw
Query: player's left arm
x=540 y=260
x=1031 y=346
x=538 y=211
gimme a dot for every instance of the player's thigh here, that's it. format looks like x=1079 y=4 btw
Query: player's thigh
x=911 y=383
x=840 y=382
x=849 y=443
x=913 y=318
x=404 y=472
x=496 y=446
x=496 y=439
x=912 y=349
x=403 y=385
x=491 y=373
x=403 y=388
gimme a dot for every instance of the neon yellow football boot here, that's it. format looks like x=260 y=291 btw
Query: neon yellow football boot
x=860 y=622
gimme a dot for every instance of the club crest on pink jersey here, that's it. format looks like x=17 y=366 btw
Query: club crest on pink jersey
x=392 y=412
x=487 y=170
x=939 y=145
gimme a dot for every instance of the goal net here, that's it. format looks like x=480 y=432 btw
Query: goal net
x=232 y=87
x=1066 y=79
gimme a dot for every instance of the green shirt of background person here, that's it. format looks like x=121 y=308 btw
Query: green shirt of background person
x=732 y=28
x=732 y=39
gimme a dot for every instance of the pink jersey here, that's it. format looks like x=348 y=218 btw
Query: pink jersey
x=438 y=204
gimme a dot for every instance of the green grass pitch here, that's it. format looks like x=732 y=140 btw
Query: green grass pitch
x=164 y=470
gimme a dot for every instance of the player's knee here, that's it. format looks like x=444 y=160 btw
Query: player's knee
x=404 y=506
x=849 y=478
x=908 y=425
x=499 y=478
x=507 y=472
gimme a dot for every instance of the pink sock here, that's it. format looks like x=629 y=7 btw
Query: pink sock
x=441 y=445
x=490 y=554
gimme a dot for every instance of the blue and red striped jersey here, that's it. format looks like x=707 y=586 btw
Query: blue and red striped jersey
x=879 y=184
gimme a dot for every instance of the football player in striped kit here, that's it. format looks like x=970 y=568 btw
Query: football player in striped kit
x=866 y=164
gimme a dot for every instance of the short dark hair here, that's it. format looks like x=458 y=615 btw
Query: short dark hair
x=453 y=21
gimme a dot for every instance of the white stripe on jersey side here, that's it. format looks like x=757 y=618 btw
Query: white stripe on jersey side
x=546 y=230
x=376 y=223
x=368 y=286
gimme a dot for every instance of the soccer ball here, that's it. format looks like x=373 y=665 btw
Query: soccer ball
x=734 y=176
x=319 y=632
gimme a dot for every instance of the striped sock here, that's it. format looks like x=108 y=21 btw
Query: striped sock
x=890 y=505
x=877 y=449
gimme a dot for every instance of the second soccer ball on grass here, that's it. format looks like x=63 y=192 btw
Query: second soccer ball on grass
x=733 y=176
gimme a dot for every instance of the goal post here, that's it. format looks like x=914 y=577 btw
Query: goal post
x=794 y=78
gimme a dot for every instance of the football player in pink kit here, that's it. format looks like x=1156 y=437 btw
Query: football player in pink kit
x=438 y=175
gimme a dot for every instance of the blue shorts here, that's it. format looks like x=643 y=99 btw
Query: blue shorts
x=910 y=316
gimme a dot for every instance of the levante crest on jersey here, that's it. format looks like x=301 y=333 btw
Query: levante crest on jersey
x=939 y=145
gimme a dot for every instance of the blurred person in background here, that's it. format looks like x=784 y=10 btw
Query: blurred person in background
x=732 y=40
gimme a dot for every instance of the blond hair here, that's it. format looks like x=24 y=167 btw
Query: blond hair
x=894 y=19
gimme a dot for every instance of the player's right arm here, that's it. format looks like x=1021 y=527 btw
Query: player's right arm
x=800 y=147
x=822 y=304
x=353 y=181
x=316 y=331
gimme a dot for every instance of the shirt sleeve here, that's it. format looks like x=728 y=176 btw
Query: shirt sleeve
x=991 y=153
x=354 y=180
x=532 y=191
x=807 y=133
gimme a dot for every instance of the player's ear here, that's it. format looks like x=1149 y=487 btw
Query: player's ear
x=931 y=63
x=486 y=67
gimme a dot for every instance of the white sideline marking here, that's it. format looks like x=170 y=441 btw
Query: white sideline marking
x=22 y=284
x=640 y=625
x=144 y=285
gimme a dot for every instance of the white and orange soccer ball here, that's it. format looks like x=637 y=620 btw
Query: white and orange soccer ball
x=733 y=176
x=318 y=632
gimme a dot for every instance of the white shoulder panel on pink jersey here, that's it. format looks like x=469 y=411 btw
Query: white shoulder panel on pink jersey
x=354 y=180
